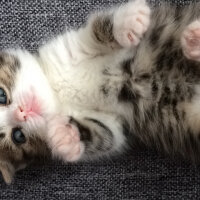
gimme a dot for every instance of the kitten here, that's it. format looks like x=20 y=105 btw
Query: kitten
x=130 y=76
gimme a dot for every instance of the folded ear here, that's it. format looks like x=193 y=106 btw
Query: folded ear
x=7 y=171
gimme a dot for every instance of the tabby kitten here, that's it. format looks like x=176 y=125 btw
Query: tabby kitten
x=130 y=76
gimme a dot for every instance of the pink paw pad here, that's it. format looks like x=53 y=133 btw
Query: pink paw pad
x=131 y=22
x=191 y=41
x=64 y=140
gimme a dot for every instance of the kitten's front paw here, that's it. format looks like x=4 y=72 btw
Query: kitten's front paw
x=190 y=41
x=64 y=139
x=131 y=21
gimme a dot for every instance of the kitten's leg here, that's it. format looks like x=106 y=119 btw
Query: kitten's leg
x=190 y=41
x=105 y=32
x=73 y=139
x=120 y=27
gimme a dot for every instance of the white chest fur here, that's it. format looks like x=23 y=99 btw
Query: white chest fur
x=76 y=79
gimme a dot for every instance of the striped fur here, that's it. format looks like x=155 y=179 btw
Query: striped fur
x=152 y=89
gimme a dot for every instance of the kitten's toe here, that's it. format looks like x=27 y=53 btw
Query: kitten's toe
x=131 y=22
x=190 y=41
x=64 y=140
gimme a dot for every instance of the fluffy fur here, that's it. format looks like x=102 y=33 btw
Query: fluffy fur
x=129 y=76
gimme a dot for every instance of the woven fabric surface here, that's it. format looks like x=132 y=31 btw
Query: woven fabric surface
x=138 y=175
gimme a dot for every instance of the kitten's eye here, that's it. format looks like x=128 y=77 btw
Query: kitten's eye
x=17 y=136
x=3 y=97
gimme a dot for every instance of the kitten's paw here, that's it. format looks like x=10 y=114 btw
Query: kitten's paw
x=64 y=139
x=131 y=21
x=190 y=41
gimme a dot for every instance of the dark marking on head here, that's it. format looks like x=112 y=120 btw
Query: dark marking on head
x=9 y=65
x=9 y=60
x=13 y=158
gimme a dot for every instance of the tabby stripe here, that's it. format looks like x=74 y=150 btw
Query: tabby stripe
x=85 y=133
x=101 y=125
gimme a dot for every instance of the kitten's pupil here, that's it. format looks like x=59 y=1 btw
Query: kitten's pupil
x=3 y=97
x=18 y=136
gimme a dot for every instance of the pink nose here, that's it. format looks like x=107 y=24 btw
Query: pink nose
x=20 y=114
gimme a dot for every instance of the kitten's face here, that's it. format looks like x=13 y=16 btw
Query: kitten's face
x=25 y=103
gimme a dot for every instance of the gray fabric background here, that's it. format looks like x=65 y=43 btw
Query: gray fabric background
x=138 y=175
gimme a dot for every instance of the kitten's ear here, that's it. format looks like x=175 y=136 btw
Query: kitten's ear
x=7 y=171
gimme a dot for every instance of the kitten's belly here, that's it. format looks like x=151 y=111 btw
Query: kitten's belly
x=84 y=87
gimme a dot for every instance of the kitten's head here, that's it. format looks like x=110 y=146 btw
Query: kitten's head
x=26 y=101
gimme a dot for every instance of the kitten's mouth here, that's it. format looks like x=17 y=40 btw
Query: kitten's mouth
x=31 y=108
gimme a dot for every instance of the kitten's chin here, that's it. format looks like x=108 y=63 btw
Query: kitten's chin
x=36 y=124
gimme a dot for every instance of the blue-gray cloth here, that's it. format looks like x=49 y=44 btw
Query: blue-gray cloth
x=139 y=175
